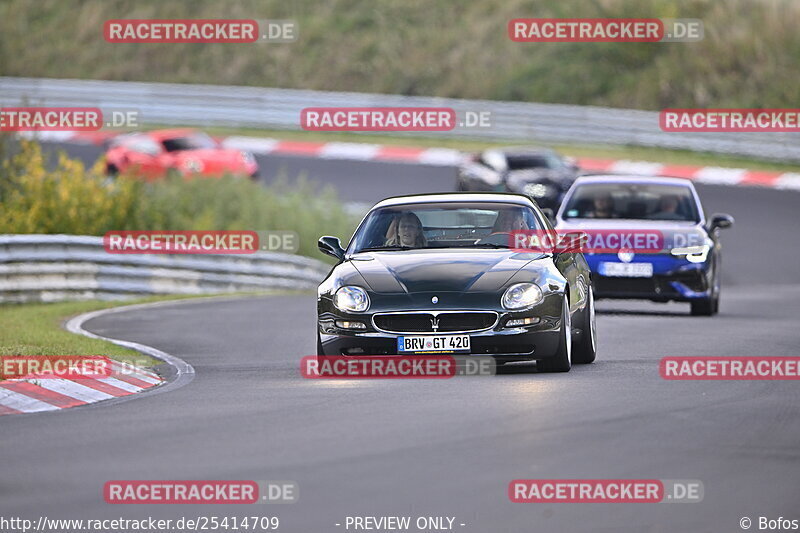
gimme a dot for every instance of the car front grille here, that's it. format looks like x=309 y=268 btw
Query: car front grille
x=424 y=322
x=604 y=284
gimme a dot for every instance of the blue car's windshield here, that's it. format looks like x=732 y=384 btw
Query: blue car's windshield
x=442 y=225
x=638 y=201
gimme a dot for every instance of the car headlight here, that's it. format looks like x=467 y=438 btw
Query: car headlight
x=694 y=254
x=351 y=299
x=522 y=295
x=536 y=190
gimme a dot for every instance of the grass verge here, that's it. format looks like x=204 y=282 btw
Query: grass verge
x=37 y=329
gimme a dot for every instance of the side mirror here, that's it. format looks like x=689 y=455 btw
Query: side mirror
x=331 y=246
x=720 y=220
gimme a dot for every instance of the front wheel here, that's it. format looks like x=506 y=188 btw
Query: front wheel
x=703 y=307
x=709 y=306
x=562 y=359
x=319 y=345
x=586 y=349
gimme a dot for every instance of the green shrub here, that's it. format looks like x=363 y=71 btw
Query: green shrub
x=74 y=200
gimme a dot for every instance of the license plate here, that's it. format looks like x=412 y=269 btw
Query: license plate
x=627 y=270
x=433 y=344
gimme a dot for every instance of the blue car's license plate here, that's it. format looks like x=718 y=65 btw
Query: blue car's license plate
x=626 y=270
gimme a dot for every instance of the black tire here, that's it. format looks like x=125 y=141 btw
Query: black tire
x=717 y=286
x=112 y=170
x=708 y=306
x=319 y=345
x=561 y=361
x=585 y=351
x=703 y=307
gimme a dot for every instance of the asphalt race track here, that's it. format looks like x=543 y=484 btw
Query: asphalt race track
x=447 y=447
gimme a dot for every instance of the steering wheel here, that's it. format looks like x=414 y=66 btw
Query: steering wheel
x=500 y=237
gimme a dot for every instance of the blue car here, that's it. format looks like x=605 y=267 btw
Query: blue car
x=646 y=238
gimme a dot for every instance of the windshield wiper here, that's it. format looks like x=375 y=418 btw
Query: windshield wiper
x=387 y=248
x=488 y=245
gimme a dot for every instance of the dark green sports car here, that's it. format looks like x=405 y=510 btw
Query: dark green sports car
x=436 y=274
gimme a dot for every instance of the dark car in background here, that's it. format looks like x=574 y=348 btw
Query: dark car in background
x=436 y=273
x=539 y=173
x=685 y=267
x=152 y=155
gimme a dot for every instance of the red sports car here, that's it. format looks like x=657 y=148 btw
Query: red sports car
x=153 y=154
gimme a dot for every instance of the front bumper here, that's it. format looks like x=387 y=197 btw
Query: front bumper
x=673 y=279
x=535 y=341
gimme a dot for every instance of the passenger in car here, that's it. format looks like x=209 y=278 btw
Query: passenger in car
x=668 y=208
x=509 y=220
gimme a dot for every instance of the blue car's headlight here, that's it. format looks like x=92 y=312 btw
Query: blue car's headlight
x=693 y=254
x=521 y=296
x=351 y=299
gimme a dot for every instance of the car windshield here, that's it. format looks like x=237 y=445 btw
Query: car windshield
x=442 y=225
x=138 y=143
x=636 y=201
x=197 y=141
x=521 y=162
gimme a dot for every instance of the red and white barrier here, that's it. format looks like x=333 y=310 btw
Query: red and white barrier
x=451 y=157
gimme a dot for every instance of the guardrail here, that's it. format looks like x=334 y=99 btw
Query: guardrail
x=70 y=267
x=212 y=105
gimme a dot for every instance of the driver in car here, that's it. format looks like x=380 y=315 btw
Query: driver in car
x=603 y=207
x=406 y=230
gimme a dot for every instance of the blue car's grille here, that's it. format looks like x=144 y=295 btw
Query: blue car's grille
x=603 y=284
x=693 y=280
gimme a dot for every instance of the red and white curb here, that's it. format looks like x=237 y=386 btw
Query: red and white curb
x=37 y=394
x=451 y=157
x=347 y=151
x=710 y=175
x=43 y=393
